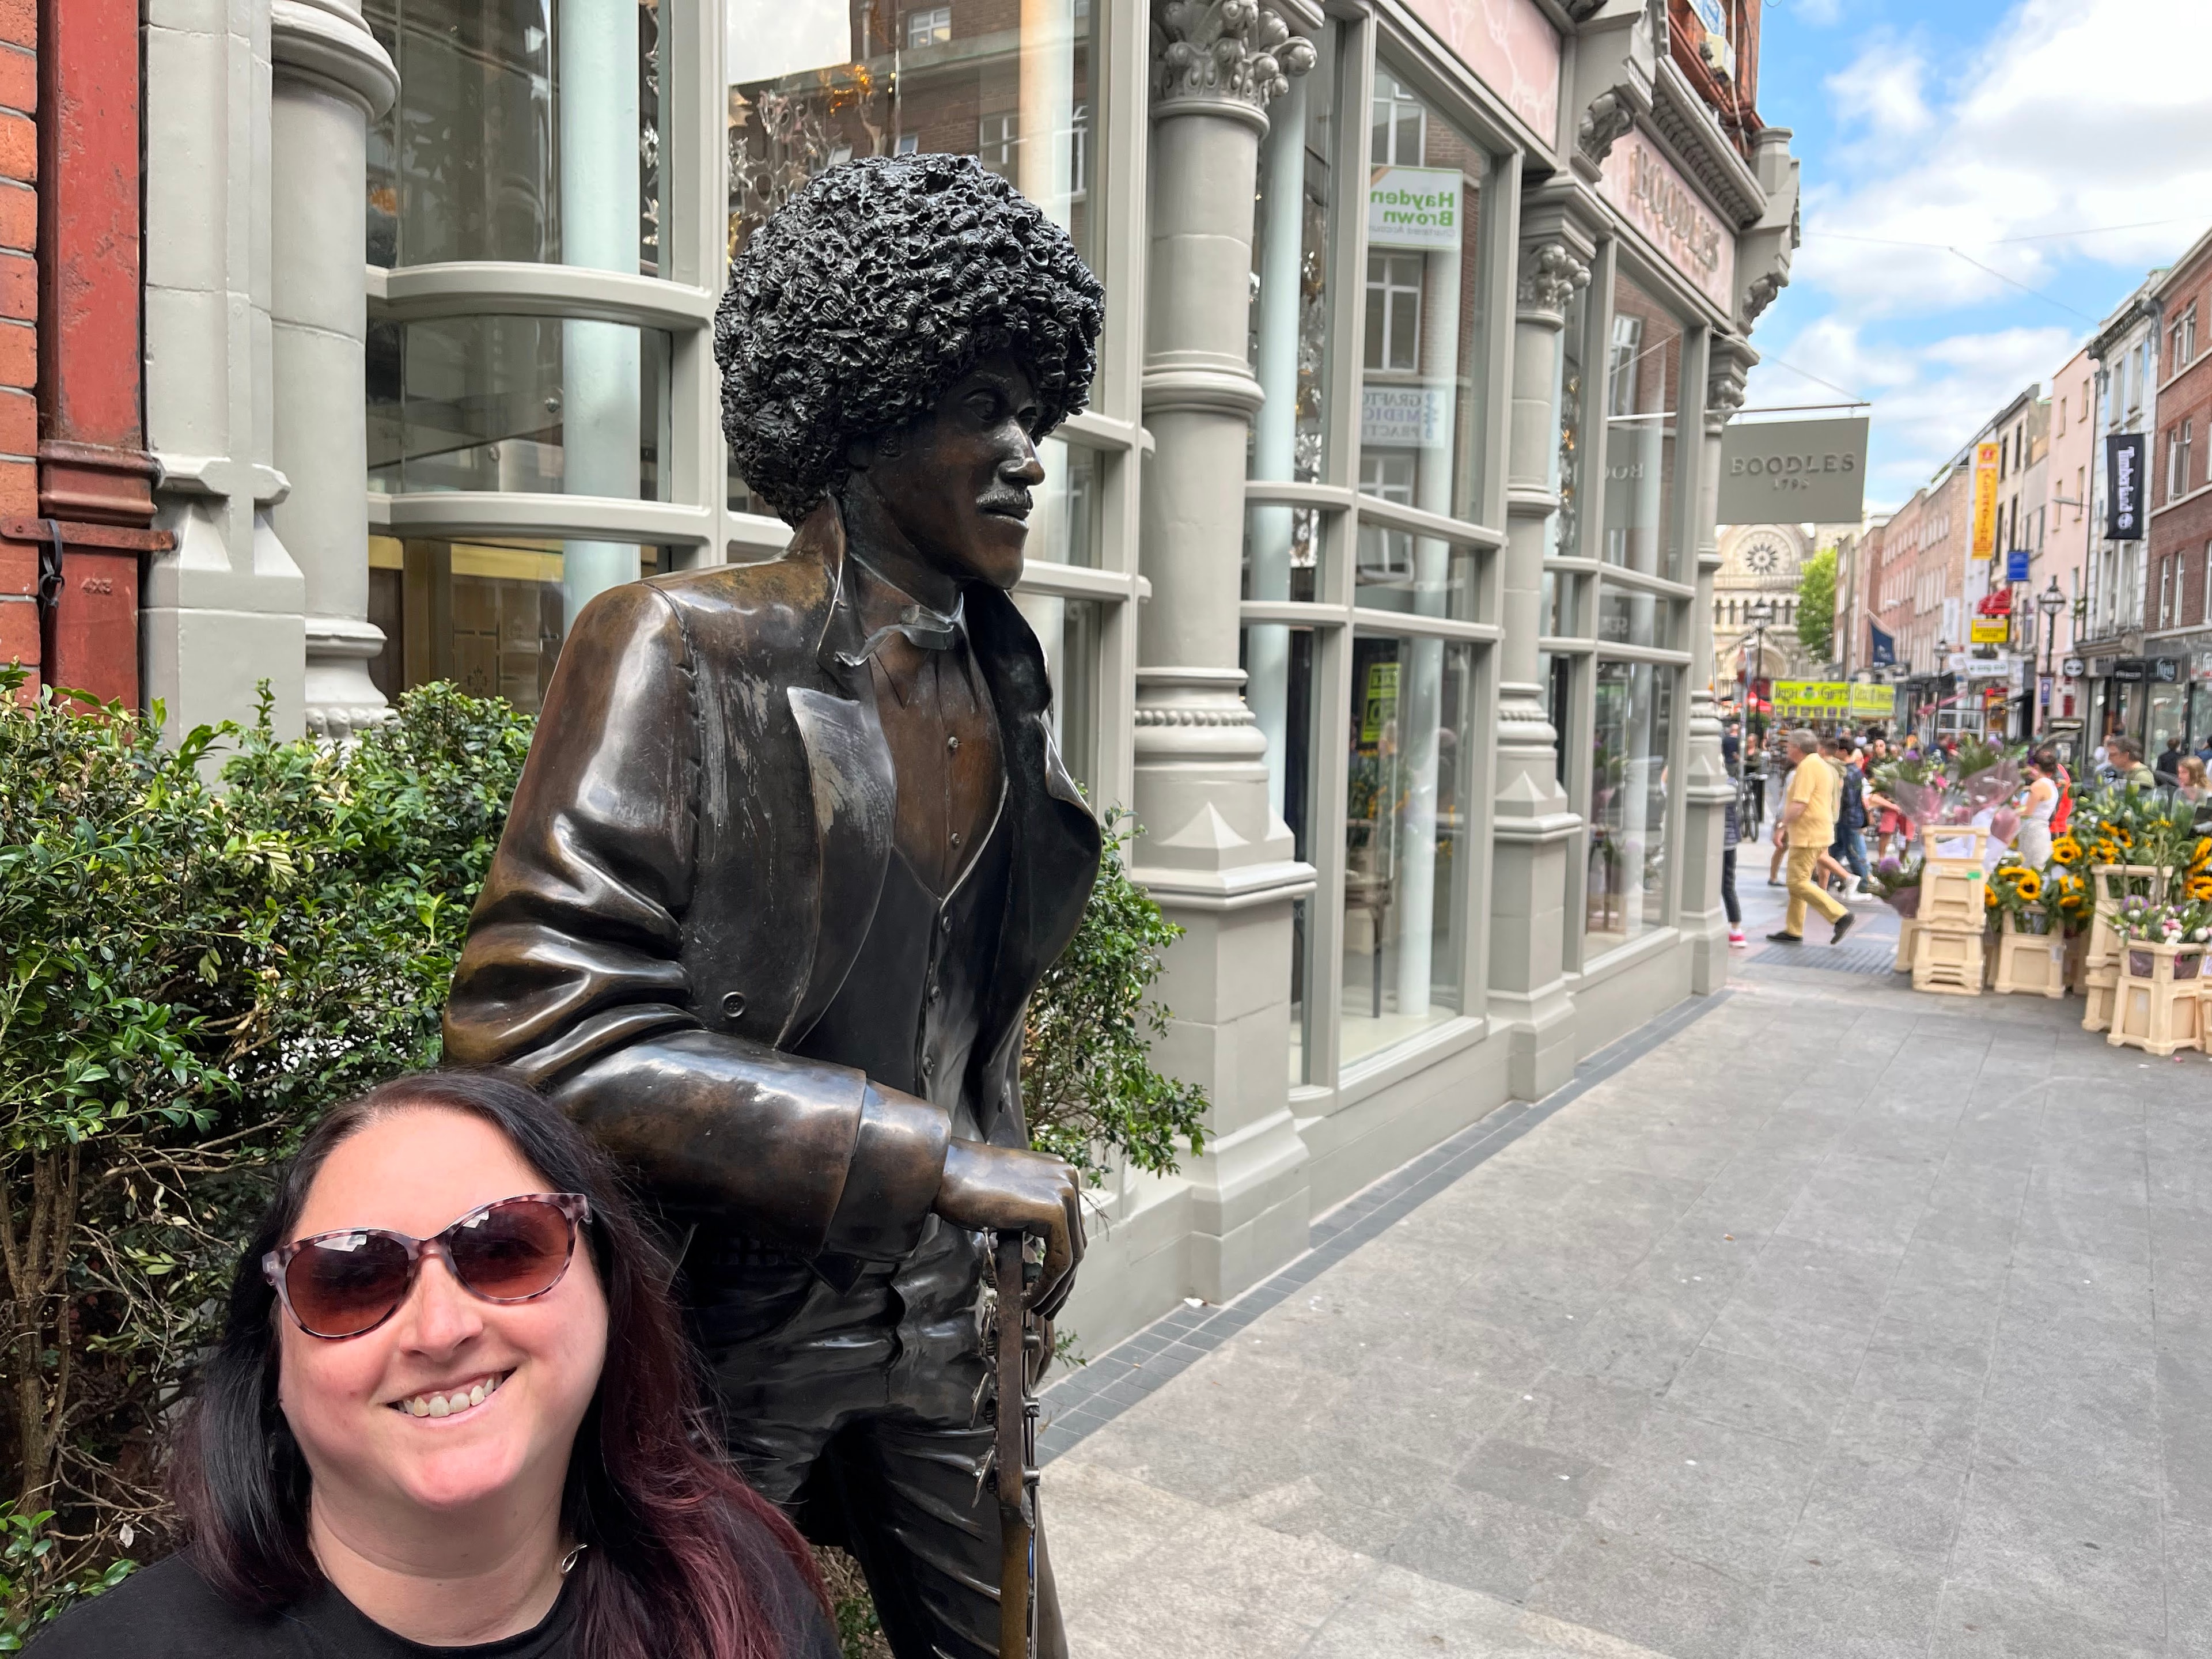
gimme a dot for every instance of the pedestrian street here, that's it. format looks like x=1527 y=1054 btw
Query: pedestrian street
x=1819 y=1318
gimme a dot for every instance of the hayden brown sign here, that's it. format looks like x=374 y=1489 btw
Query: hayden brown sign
x=1793 y=472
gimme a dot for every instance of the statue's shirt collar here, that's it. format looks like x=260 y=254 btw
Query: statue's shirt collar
x=885 y=610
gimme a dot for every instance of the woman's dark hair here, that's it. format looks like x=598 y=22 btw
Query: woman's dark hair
x=869 y=293
x=684 y=1557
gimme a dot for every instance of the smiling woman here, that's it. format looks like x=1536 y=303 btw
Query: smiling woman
x=433 y=1421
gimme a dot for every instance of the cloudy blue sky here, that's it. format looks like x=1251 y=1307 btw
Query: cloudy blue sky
x=1983 y=184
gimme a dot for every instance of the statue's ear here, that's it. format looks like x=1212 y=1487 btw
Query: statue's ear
x=861 y=453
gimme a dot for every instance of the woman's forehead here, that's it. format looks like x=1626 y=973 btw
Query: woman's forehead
x=415 y=1170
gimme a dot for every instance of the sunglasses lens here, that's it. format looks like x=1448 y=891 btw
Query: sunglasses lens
x=346 y=1283
x=514 y=1251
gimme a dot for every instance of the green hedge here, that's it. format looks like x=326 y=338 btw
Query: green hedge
x=202 y=946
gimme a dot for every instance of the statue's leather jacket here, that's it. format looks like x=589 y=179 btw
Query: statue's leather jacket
x=692 y=864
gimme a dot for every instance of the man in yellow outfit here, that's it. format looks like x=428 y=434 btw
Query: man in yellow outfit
x=1807 y=825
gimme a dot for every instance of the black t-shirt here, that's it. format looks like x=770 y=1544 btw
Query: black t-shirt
x=167 y=1611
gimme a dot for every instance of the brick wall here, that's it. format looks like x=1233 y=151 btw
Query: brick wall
x=19 y=313
x=2181 y=506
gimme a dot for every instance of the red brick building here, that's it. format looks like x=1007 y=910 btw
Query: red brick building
x=2178 y=600
x=76 y=505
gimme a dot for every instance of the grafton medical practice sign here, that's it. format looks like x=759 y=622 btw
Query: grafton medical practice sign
x=1793 y=472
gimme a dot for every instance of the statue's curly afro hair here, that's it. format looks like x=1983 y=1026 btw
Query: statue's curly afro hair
x=874 y=288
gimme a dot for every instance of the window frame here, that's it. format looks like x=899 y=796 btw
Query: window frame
x=1369 y=46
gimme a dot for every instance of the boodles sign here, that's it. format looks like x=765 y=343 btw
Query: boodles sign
x=1793 y=472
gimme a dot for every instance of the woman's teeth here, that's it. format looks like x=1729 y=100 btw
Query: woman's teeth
x=446 y=1405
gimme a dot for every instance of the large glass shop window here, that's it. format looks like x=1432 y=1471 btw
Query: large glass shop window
x=1405 y=839
x=1420 y=419
x=815 y=82
x=1643 y=394
x=1291 y=224
x=527 y=131
x=487 y=615
x=1626 y=882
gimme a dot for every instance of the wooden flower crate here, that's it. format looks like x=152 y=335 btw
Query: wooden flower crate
x=2158 y=1004
x=1949 y=961
x=1952 y=877
x=2029 y=964
x=2099 y=991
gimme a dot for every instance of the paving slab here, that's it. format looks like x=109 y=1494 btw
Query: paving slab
x=1819 y=1318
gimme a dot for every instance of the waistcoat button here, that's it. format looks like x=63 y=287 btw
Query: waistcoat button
x=733 y=1003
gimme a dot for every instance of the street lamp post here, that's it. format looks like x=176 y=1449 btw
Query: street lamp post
x=2050 y=602
x=1761 y=613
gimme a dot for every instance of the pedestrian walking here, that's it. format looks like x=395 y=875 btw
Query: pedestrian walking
x=1849 y=847
x=1807 y=825
x=1781 y=759
x=2127 y=765
x=2168 y=769
x=1731 y=757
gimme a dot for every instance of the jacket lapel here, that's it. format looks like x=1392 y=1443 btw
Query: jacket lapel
x=854 y=791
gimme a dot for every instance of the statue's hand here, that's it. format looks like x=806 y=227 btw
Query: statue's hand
x=997 y=1189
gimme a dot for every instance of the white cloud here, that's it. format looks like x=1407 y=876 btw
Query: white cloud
x=1928 y=398
x=1819 y=14
x=1881 y=89
x=2077 y=114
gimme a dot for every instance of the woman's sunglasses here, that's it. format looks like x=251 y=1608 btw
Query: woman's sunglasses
x=346 y=1283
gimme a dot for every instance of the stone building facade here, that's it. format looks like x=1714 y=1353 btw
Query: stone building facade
x=1377 y=580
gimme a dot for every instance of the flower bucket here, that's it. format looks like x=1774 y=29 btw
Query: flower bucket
x=2142 y=961
x=2185 y=967
x=1905 y=901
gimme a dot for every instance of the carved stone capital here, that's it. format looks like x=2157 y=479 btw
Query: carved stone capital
x=1724 y=389
x=1605 y=121
x=1550 y=276
x=1217 y=51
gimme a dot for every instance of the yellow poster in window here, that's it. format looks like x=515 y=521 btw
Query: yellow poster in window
x=1381 y=702
x=1985 y=503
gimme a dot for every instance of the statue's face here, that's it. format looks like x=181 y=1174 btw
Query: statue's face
x=957 y=480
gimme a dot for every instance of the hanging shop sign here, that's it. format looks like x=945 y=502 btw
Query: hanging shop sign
x=1882 y=646
x=2016 y=565
x=1667 y=208
x=1989 y=630
x=1414 y=207
x=2123 y=471
x=2073 y=668
x=1793 y=472
x=1985 y=502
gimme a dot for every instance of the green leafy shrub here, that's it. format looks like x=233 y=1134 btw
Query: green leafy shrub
x=1088 y=1091
x=188 y=975
x=191 y=972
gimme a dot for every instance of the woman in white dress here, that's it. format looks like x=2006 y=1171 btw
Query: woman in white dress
x=2037 y=803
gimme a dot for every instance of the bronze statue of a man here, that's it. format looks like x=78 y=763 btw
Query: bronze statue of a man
x=793 y=846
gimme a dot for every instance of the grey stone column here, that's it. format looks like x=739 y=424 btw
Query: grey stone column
x=330 y=78
x=220 y=612
x=1214 y=854
x=1532 y=823
x=1708 y=787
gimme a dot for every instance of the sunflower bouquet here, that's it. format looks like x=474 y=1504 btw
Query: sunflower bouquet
x=2068 y=892
x=2021 y=893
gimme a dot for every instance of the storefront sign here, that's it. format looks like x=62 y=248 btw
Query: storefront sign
x=1403 y=417
x=1988 y=668
x=1793 y=472
x=1989 y=630
x=1414 y=207
x=1511 y=45
x=2073 y=668
x=2016 y=565
x=1985 y=502
x=2123 y=471
x=1881 y=646
x=2166 y=670
x=2128 y=668
x=1666 y=207
x=1837 y=697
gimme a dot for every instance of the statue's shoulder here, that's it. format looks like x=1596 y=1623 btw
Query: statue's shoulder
x=753 y=609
